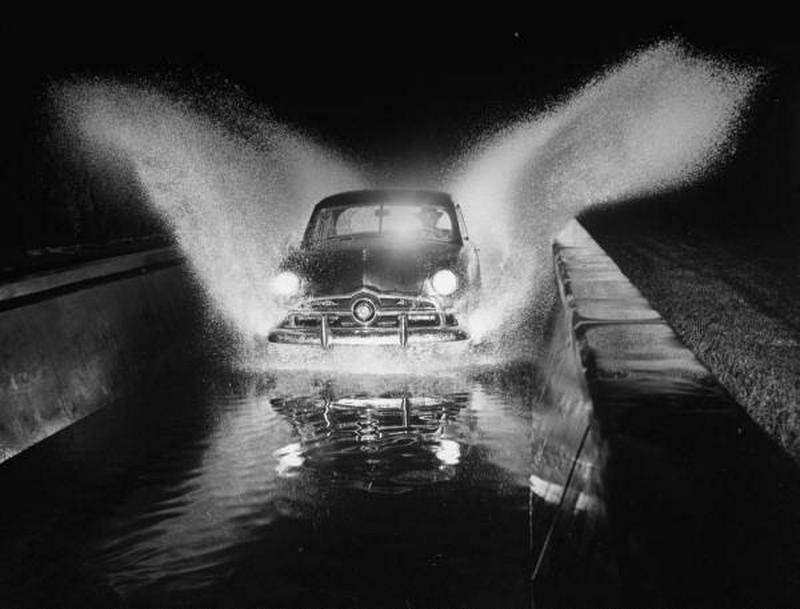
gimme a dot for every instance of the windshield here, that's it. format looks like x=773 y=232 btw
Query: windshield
x=394 y=221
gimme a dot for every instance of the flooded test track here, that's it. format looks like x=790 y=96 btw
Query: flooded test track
x=283 y=491
x=510 y=484
x=198 y=484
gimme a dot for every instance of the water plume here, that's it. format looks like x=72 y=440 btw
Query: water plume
x=664 y=117
x=233 y=184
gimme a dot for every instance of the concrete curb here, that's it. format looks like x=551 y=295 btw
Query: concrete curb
x=40 y=284
x=689 y=488
x=617 y=334
x=76 y=340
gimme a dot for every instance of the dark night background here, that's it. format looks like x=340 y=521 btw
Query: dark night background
x=718 y=260
x=415 y=87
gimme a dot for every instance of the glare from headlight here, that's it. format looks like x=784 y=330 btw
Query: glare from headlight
x=286 y=284
x=444 y=282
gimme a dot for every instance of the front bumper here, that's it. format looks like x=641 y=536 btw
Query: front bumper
x=399 y=320
x=329 y=338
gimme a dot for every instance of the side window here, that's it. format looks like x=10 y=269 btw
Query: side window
x=321 y=226
x=444 y=223
x=462 y=227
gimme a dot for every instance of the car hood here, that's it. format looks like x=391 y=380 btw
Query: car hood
x=346 y=267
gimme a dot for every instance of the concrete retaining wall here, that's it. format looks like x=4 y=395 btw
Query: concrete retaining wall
x=618 y=335
x=74 y=341
x=686 y=487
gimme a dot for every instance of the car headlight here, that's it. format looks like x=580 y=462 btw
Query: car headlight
x=286 y=284
x=444 y=282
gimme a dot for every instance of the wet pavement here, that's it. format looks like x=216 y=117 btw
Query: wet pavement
x=495 y=487
x=240 y=489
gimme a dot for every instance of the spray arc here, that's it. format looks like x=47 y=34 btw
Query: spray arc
x=233 y=185
x=661 y=119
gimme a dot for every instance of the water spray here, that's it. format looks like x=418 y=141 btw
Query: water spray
x=234 y=190
x=662 y=118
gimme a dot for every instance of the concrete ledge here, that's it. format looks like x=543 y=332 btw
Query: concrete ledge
x=74 y=341
x=699 y=505
x=41 y=283
x=619 y=335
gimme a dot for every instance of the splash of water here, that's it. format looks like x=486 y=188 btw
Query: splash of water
x=664 y=117
x=233 y=185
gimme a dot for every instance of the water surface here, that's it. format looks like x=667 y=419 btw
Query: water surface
x=287 y=490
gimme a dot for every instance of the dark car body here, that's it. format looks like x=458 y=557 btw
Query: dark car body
x=374 y=284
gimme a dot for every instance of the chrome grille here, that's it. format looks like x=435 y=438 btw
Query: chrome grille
x=384 y=302
x=383 y=320
x=420 y=312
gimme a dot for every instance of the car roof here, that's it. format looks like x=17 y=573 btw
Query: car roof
x=386 y=195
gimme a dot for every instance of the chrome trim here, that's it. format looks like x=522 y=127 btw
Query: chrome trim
x=430 y=299
x=380 y=313
x=373 y=317
x=325 y=336
x=370 y=332
x=363 y=266
x=372 y=336
x=403 y=329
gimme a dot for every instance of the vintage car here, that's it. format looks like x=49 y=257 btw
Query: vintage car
x=379 y=267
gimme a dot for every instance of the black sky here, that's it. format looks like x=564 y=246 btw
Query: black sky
x=394 y=77
x=360 y=79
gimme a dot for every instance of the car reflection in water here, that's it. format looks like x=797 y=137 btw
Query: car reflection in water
x=387 y=444
x=297 y=490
